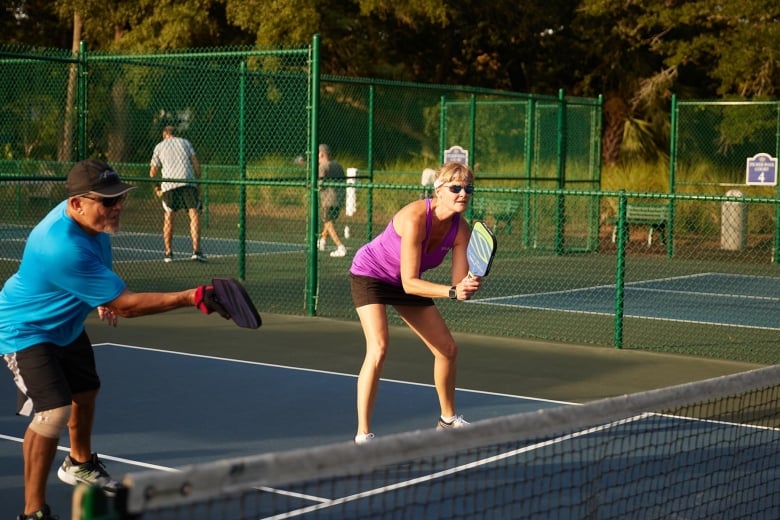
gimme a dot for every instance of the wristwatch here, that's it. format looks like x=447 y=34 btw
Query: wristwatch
x=453 y=293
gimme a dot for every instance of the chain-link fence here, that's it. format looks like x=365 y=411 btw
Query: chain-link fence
x=727 y=147
x=711 y=141
x=712 y=292
x=574 y=264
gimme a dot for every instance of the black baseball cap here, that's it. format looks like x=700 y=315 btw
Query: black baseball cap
x=95 y=176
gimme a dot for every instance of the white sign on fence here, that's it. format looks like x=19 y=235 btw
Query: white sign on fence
x=456 y=154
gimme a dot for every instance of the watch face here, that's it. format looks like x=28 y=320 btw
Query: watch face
x=453 y=293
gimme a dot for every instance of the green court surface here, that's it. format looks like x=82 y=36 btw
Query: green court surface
x=539 y=369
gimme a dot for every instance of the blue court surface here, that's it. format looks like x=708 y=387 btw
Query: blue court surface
x=160 y=410
x=140 y=247
x=712 y=298
x=647 y=466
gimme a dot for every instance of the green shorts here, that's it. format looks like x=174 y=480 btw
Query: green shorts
x=183 y=197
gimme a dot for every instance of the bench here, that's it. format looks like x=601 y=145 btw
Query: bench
x=654 y=216
x=501 y=209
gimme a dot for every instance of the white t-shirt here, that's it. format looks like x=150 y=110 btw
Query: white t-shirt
x=173 y=157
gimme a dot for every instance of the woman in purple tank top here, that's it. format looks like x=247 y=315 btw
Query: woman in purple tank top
x=388 y=271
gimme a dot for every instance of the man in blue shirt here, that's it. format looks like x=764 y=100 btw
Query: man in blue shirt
x=65 y=274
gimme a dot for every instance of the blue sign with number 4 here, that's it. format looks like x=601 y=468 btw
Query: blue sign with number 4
x=761 y=170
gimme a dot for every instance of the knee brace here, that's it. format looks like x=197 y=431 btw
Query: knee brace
x=49 y=423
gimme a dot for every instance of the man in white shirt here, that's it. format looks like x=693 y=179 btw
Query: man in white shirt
x=176 y=157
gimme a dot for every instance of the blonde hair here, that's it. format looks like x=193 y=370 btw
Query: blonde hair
x=453 y=171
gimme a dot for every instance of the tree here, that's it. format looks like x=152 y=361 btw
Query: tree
x=693 y=48
x=634 y=52
x=469 y=42
x=32 y=22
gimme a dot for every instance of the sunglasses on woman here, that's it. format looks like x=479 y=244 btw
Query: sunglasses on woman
x=108 y=202
x=455 y=188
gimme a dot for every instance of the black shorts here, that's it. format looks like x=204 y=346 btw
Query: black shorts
x=330 y=213
x=183 y=197
x=47 y=375
x=367 y=290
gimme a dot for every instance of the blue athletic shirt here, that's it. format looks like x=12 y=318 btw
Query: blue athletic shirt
x=64 y=275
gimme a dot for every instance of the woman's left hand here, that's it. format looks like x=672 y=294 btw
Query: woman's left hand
x=468 y=286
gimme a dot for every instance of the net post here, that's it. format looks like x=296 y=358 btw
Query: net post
x=91 y=503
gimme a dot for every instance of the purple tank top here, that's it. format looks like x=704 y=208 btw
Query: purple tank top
x=381 y=258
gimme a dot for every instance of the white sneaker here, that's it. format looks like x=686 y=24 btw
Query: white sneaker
x=363 y=438
x=340 y=251
x=457 y=422
x=92 y=472
x=321 y=244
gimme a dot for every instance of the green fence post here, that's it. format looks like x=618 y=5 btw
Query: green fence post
x=776 y=246
x=242 y=170
x=82 y=101
x=530 y=122
x=370 y=165
x=472 y=129
x=314 y=190
x=620 y=267
x=204 y=189
x=595 y=166
x=672 y=176
x=442 y=127
x=560 y=208
x=472 y=142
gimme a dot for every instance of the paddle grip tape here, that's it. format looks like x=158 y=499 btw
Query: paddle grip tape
x=200 y=298
x=207 y=302
x=49 y=423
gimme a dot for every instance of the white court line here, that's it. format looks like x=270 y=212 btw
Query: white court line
x=709 y=294
x=452 y=471
x=325 y=372
x=311 y=498
x=500 y=301
x=66 y=449
x=155 y=253
x=633 y=286
x=488 y=460
x=612 y=314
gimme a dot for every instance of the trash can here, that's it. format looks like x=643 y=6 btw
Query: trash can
x=733 y=223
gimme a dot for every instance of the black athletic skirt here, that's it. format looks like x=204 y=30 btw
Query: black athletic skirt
x=367 y=290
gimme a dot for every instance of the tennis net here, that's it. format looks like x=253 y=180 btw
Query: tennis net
x=708 y=449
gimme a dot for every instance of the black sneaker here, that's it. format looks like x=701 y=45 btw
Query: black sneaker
x=92 y=472
x=198 y=256
x=41 y=514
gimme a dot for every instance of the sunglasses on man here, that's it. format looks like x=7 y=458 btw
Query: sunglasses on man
x=107 y=202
